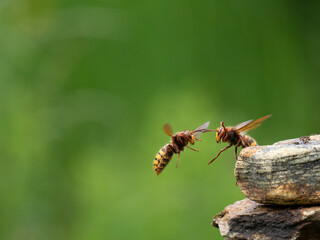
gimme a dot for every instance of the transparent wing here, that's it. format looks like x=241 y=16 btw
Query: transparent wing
x=240 y=125
x=203 y=126
x=252 y=125
x=167 y=129
x=201 y=129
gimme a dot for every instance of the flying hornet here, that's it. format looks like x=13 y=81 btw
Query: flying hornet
x=178 y=142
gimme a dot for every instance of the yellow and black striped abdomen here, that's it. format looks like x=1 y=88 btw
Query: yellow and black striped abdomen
x=162 y=158
x=249 y=141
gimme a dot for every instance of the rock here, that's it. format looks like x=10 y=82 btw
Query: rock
x=246 y=219
x=285 y=173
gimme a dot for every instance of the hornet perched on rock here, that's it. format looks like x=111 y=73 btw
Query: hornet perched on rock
x=235 y=136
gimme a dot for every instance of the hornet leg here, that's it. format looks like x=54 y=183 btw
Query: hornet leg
x=236 y=153
x=178 y=159
x=198 y=139
x=222 y=150
x=236 y=146
x=192 y=148
x=226 y=137
x=222 y=125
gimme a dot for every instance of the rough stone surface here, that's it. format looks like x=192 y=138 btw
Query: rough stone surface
x=285 y=173
x=246 y=219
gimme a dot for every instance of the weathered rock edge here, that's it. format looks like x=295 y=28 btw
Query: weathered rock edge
x=285 y=173
x=247 y=219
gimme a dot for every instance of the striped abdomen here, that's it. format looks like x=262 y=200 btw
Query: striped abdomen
x=248 y=141
x=162 y=158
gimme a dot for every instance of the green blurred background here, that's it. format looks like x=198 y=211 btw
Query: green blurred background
x=86 y=87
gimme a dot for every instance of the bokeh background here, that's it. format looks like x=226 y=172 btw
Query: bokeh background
x=86 y=87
